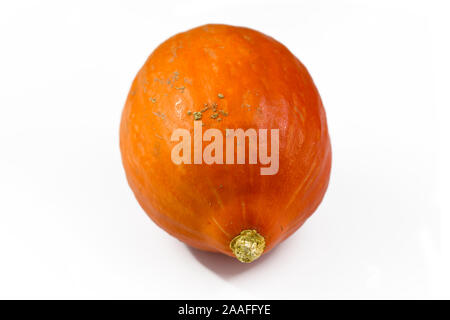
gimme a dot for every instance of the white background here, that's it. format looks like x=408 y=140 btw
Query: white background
x=71 y=228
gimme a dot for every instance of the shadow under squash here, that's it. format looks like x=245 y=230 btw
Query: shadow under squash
x=225 y=266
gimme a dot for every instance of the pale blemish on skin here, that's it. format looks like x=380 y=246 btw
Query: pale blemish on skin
x=220 y=227
x=244 y=211
x=178 y=108
x=302 y=184
x=299 y=112
x=210 y=52
x=216 y=194
x=156 y=150
x=174 y=52
x=314 y=179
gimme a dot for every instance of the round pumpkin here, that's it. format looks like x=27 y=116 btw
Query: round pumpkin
x=225 y=78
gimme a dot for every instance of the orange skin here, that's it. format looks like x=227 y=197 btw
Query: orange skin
x=264 y=86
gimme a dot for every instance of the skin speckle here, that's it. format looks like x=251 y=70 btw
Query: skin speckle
x=160 y=115
x=187 y=80
x=197 y=115
x=180 y=88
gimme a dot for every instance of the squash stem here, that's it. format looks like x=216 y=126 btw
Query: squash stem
x=248 y=246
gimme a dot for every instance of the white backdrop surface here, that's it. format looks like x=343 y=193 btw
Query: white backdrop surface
x=71 y=228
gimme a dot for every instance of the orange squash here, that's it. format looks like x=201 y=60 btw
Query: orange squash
x=225 y=77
